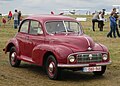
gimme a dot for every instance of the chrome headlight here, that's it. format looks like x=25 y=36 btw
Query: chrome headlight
x=105 y=57
x=71 y=58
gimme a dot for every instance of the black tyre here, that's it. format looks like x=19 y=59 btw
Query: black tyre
x=100 y=73
x=14 y=62
x=51 y=68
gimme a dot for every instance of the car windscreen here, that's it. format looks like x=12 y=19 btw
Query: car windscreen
x=63 y=27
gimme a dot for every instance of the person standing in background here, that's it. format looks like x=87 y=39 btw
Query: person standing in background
x=101 y=21
x=3 y=21
x=116 y=17
x=9 y=15
x=15 y=17
x=0 y=18
x=95 y=19
x=113 y=25
x=19 y=17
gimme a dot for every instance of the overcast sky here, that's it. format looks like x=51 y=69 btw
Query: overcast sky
x=46 y=6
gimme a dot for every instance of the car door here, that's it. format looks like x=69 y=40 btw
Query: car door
x=34 y=38
x=21 y=37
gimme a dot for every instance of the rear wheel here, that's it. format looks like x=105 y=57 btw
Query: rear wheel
x=14 y=62
x=51 y=68
x=100 y=73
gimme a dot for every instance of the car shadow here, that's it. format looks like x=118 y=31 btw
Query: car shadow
x=78 y=76
x=66 y=75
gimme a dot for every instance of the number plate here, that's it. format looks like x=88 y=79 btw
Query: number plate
x=91 y=69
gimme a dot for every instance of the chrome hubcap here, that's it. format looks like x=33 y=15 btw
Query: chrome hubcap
x=51 y=67
x=13 y=56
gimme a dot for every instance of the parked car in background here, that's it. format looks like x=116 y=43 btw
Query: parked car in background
x=56 y=42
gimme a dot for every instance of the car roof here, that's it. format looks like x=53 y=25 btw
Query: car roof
x=45 y=18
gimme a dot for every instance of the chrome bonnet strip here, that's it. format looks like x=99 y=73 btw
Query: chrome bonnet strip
x=87 y=41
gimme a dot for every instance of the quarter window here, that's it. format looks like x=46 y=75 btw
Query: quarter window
x=35 y=28
x=24 y=27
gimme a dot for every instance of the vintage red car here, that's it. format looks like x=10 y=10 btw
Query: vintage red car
x=56 y=42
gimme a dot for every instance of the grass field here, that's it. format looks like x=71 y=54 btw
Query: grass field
x=32 y=75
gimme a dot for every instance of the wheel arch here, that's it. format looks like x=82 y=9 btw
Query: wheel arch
x=9 y=46
x=12 y=42
x=41 y=52
x=46 y=56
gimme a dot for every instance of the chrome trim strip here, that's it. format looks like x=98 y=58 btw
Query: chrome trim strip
x=81 y=65
x=107 y=63
x=89 y=52
x=87 y=41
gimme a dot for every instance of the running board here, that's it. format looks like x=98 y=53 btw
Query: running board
x=26 y=59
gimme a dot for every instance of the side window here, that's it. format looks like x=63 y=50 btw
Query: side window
x=24 y=27
x=35 y=28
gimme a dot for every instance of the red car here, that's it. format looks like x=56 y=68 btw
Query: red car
x=56 y=42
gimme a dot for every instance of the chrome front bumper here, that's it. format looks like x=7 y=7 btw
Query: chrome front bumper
x=81 y=65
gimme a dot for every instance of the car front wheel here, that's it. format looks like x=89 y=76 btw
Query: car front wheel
x=14 y=62
x=51 y=68
x=100 y=73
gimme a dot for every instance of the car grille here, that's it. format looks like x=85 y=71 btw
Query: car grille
x=87 y=58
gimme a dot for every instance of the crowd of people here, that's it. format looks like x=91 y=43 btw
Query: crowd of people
x=98 y=17
x=16 y=16
x=114 y=22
